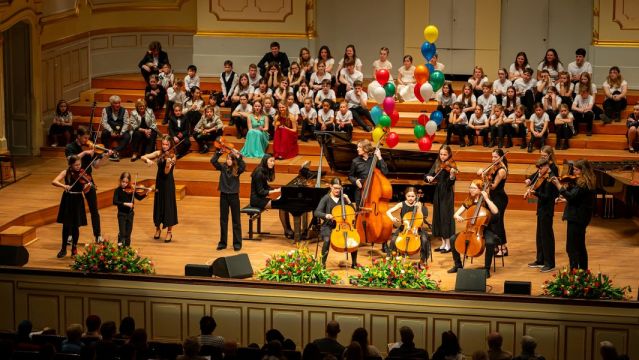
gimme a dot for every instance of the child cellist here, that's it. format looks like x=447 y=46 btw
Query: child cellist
x=408 y=207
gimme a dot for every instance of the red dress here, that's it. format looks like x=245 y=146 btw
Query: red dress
x=285 y=142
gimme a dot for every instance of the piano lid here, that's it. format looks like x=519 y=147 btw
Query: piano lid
x=340 y=152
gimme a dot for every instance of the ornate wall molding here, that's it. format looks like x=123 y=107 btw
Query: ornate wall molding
x=251 y=10
x=119 y=5
x=615 y=23
x=626 y=14
x=61 y=14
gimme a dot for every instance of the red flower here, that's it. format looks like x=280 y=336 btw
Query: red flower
x=101 y=258
x=328 y=281
x=124 y=267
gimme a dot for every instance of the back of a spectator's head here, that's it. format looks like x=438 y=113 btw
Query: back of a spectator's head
x=74 y=332
x=138 y=338
x=127 y=352
x=311 y=352
x=332 y=328
x=289 y=344
x=191 y=347
x=480 y=355
x=354 y=351
x=274 y=334
x=607 y=351
x=93 y=323
x=273 y=348
x=207 y=325
x=494 y=340
x=528 y=344
x=108 y=330
x=127 y=326
x=24 y=329
x=406 y=334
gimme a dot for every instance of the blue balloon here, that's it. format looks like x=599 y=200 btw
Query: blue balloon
x=428 y=50
x=376 y=113
x=430 y=68
x=437 y=117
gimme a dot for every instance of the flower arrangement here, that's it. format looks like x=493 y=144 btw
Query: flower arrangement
x=296 y=266
x=110 y=258
x=395 y=272
x=579 y=283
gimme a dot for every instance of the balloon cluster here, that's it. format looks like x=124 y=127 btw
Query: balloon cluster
x=429 y=81
x=384 y=116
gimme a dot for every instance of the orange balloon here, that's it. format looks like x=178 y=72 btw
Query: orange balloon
x=421 y=74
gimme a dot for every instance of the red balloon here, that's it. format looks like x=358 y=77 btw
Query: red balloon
x=425 y=143
x=392 y=139
x=394 y=118
x=422 y=119
x=417 y=93
x=382 y=76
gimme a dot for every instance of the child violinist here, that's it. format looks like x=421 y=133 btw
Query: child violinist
x=476 y=193
x=164 y=203
x=497 y=177
x=444 y=172
x=229 y=187
x=124 y=198
x=411 y=205
x=71 y=211
x=324 y=211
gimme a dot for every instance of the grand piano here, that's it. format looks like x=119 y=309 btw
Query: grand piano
x=302 y=195
x=621 y=180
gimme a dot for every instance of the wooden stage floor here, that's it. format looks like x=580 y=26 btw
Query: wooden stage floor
x=613 y=244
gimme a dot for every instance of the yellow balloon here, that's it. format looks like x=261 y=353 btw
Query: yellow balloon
x=377 y=134
x=431 y=33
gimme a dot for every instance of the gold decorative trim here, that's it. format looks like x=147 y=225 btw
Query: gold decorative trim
x=311 y=31
x=252 y=35
x=23 y=14
x=616 y=43
x=133 y=5
x=62 y=15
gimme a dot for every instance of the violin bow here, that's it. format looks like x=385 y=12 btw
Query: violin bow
x=88 y=166
x=483 y=173
x=135 y=183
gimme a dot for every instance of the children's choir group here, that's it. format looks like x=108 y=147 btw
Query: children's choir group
x=275 y=96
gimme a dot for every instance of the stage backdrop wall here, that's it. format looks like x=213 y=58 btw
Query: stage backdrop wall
x=169 y=308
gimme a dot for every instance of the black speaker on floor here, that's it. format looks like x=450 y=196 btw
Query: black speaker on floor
x=471 y=280
x=13 y=255
x=198 y=270
x=234 y=267
x=517 y=287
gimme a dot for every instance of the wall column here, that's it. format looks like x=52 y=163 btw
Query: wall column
x=3 y=123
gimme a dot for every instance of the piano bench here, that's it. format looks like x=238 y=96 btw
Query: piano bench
x=255 y=214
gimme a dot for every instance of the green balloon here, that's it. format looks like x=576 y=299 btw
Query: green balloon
x=419 y=131
x=390 y=89
x=385 y=120
x=436 y=80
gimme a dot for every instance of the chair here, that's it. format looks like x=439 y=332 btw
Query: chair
x=213 y=351
x=25 y=355
x=167 y=351
x=292 y=354
x=6 y=157
x=246 y=353
x=55 y=340
x=255 y=214
x=63 y=356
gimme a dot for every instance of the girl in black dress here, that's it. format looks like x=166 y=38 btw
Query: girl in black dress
x=444 y=197
x=123 y=198
x=324 y=211
x=164 y=203
x=229 y=187
x=497 y=178
x=407 y=207
x=71 y=211
x=578 y=212
x=260 y=190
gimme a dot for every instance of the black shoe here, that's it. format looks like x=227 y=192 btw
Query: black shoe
x=509 y=144
x=62 y=253
x=523 y=145
x=368 y=129
x=438 y=249
x=530 y=148
x=462 y=144
x=289 y=234
x=221 y=246
x=546 y=269
x=589 y=133
x=485 y=144
x=444 y=251
x=231 y=122
x=487 y=273
x=354 y=266
x=490 y=144
x=500 y=145
x=237 y=248
x=535 y=264
x=114 y=157
x=453 y=270
x=169 y=237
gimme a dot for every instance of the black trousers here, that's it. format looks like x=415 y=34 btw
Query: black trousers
x=424 y=250
x=346 y=129
x=564 y=132
x=586 y=117
x=497 y=133
x=125 y=227
x=329 y=127
x=613 y=108
x=141 y=144
x=359 y=113
x=483 y=133
x=230 y=202
x=155 y=102
x=326 y=246
x=518 y=130
x=528 y=100
x=147 y=74
x=123 y=140
x=545 y=239
x=240 y=125
x=542 y=140
x=576 y=246
x=73 y=231
x=491 y=241
x=308 y=130
x=445 y=110
x=204 y=139
x=457 y=129
x=56 y=132
x=92 y=200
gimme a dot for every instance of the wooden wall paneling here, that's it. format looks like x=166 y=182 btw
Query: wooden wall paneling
x=44 y=311
x=74 y=312
x=619 y=337
x=83 y=65
x=145 y=39
x=7 y=305
x=229 y=320
x=317 y=321
x=166 y=321
x=508 y=333
x=472 y=334
x=440 y=325
x=348 y=322
x=576 y=342
x=124 y=40
x=194 y=313
x=182 y=41
x=289 y=322
x=256 y=326
x=74 y=66
x=380 y=331
x=419 y=326
x=547 y=336
x=106 y=308
x=137 y=310
x=99 y=43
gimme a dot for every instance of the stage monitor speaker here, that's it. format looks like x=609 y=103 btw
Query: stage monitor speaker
x=198 y=270
x=471 y=280
x=517 y=287
x=13 y=255
x=234 y=267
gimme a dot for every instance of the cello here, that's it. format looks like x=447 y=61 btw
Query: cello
x=371 y=222
x=409 y=241
x=344 y=238
x=471 y=242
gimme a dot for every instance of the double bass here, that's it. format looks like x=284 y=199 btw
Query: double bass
x=471 y=241
x=344 y=238
x=371 y=221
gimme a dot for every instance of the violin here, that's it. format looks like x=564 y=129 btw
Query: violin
x=409 y=242
x=138 y=190
x=84 y=179
x=97 y=148
x=221 y=144
x=344 y=238
x=539 y=180
x=448 y=165
x=471 y=242
x=567 y=179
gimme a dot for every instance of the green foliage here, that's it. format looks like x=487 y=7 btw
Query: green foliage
x=107 y=257
x=583 y=284
x=396 y=273
x=296 y=266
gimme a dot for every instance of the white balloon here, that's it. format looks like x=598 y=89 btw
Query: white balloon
x=431 y=127
x=379 y=94
x=426 y=91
